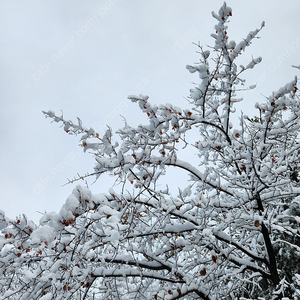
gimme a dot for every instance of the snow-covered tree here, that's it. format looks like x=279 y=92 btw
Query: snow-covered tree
x=230 y=231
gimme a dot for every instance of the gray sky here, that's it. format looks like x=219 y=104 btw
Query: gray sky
x=85 y=57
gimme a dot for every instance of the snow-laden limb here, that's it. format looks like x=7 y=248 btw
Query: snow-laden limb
x=230 y=231
x=92 y=243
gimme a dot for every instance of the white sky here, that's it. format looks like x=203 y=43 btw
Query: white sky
x=85 y=57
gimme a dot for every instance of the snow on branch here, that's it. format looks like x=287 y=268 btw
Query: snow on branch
x=230 y=229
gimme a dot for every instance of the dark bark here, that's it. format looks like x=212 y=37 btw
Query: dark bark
x=272 y=263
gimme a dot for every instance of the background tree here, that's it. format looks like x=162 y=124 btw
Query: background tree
x=230 y=232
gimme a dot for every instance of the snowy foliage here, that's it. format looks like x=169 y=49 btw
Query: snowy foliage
x=232 y=232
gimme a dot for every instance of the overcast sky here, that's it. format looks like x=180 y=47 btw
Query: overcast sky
x=85 y=57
